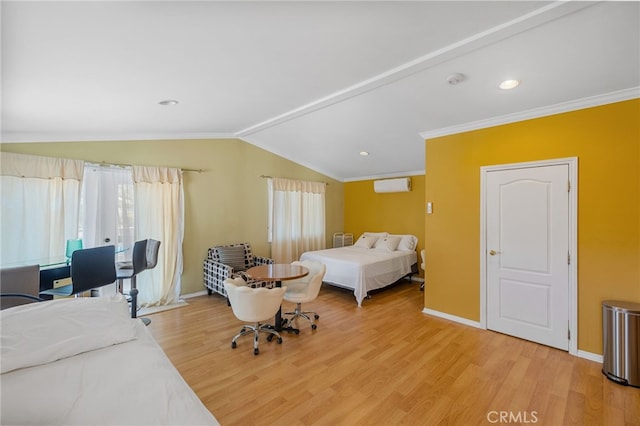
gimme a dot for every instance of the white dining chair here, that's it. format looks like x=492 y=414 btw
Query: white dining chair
x=254 y=305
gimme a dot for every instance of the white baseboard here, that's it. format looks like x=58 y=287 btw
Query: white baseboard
x=590 y=356
x=454 y=318
x=196 y=294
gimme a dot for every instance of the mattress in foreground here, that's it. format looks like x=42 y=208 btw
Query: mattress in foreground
x=85 y=362
x=362 y=269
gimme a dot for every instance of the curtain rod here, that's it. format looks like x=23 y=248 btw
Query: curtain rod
x=104 y=163
x=271 y=177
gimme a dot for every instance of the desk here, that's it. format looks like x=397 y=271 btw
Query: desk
x=277 y=272
x=49 y=275
x=52 y=269
x=44 y=262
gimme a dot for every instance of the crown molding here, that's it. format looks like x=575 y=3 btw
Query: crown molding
x=34 y=137
x=590 y=102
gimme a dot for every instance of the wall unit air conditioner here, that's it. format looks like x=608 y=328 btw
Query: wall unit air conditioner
x=392 y=185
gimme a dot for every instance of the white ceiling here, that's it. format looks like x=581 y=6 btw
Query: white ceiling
x=315 y=82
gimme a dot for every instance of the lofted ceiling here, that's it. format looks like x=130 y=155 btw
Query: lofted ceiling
x=315 y=82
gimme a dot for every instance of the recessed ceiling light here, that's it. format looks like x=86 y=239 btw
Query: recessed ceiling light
x=509 y=84
x=168 y=102
x=364 y=153
x=456 y=78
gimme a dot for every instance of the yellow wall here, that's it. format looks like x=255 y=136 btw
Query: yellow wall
x=396 y=213
x=225 y=204
x=606 y=140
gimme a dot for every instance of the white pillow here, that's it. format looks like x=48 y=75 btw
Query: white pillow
x=388 y=244
x=366 y=241
x=407 y=242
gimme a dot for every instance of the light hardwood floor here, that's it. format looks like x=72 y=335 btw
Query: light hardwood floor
x=386 y=363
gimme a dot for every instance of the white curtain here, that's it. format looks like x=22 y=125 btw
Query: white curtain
x=107 y=208
x=40 y=203
x=159 y=214
x=298 y=218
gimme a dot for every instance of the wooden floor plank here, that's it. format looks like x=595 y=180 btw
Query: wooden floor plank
x=386 y=363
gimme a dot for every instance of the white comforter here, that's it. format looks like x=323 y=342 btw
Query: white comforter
x=362 y=269
x=77 y=369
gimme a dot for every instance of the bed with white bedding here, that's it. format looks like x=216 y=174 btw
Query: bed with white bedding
x=375 y=261
x=84 y=361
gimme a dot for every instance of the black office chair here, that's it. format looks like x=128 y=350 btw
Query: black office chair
x=90 y=268
x=129 y=270
x=153 y=247
x=145 y=256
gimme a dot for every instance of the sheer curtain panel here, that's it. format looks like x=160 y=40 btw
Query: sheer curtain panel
x=39 y=210
x=298 y=218
x=159 y=214
x=107 y=208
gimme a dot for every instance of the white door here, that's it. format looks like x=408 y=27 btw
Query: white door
x=527 y=241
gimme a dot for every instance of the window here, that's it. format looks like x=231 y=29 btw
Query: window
x=297 y=218
x=46 y=201
x=39 y=209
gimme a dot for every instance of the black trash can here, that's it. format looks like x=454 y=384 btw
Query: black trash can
x=621 y=338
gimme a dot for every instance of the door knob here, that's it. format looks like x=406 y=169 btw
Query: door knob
x=493 y=252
